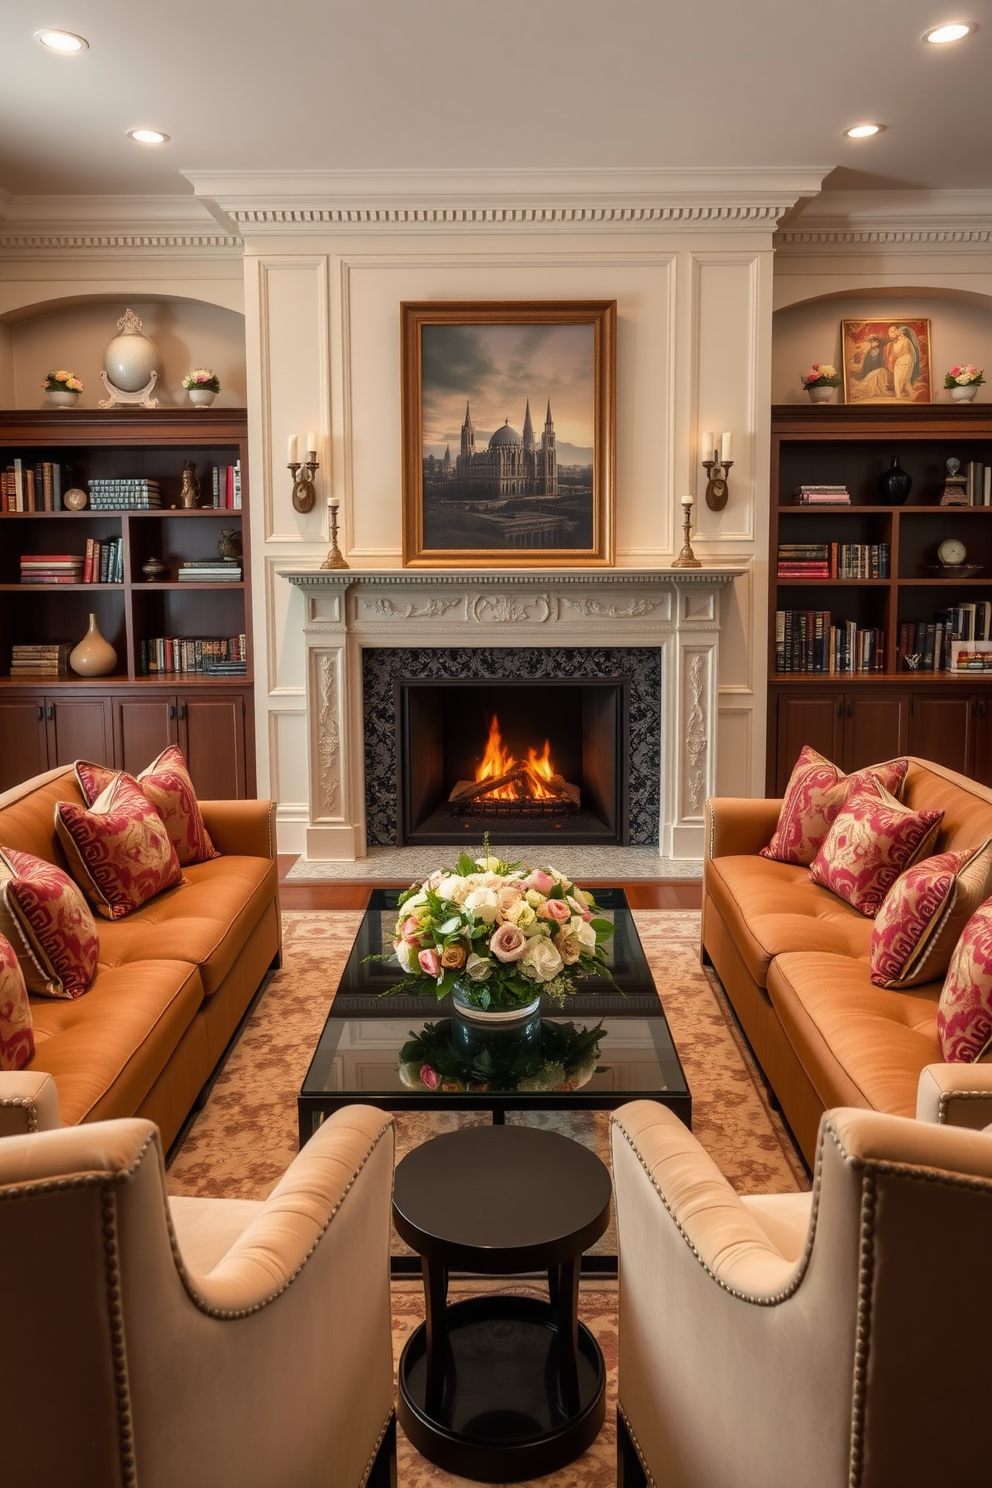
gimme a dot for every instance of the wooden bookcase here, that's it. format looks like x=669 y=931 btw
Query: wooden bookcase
x=856 y=718
x=127 y=718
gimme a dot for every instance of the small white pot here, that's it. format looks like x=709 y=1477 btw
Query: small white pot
x=965 y=393
x=821 y=394
x=64 y=398
x=201 y=397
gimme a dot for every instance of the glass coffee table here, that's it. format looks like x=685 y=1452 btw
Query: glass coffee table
x=607 y=1045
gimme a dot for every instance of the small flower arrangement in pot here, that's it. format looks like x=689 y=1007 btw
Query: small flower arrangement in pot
x=63 y=388
x=496 y=935
x=820 y=382
x=202 y=385
x=964 y=380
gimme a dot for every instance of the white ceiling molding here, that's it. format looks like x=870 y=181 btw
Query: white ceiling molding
x=952 y=220
x=32 y=224
x=313 y=201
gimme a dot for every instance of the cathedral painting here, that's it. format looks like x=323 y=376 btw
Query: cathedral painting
x=508 y=433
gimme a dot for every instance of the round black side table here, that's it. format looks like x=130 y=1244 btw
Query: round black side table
x=501 y=1388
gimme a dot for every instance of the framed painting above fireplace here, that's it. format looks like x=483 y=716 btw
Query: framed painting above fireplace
x=509 y=414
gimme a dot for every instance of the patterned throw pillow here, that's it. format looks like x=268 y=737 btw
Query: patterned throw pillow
x=873 y=840
x=923 y=914
x=118 y=850
x=16 y=1033
x=167 y=785
x=815 y=793
x=964 y=1013
x=46 y=918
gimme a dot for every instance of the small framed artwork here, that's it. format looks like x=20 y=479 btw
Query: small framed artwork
x=887 y=361
x=509 y=413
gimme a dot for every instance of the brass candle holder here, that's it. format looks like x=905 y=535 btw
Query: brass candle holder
x=717 y=489
x=334 y=557
x=687 y=558
x=304 y=495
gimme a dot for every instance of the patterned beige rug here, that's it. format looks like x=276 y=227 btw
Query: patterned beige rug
x=246 y=1135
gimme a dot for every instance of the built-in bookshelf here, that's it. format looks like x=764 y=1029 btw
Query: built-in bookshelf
x=863 y=612
x=170 y=634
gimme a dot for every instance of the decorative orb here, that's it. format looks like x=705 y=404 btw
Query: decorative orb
x=131 y=357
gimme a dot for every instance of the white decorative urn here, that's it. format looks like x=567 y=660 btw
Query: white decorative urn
x=131 y=364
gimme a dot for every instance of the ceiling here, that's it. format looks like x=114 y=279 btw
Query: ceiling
x=469 y=86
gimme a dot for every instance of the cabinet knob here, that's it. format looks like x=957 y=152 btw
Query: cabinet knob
x=850 y=710
x=41 y=713
x=172 y=712
x=50 y=711
x=182 y=710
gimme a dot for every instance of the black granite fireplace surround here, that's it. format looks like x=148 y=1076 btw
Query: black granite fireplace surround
x=616 y=689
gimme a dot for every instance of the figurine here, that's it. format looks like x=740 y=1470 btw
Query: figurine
x=190 y=493
x=955 y=486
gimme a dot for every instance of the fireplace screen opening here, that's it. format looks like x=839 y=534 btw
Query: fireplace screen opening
x=533 y=759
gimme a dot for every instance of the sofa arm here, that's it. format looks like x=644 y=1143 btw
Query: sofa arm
x=738 y=825
x=245 y=829
x=29 y=1102
x=955 y=1095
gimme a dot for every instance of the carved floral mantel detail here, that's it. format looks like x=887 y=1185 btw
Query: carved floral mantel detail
x=329 y=738
x=696 y=733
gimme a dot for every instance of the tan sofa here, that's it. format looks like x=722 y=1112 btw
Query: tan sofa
x=794 y=960
x=174 y=978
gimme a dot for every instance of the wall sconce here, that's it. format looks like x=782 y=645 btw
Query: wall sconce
x=687 y=558
x=304 y=495
x=334 y=558
x=717 y=463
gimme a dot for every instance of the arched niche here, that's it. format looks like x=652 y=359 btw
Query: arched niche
x=73 y=331
x=808 y=331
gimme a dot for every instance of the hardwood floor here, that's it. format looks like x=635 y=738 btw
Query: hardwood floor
x=642 y=893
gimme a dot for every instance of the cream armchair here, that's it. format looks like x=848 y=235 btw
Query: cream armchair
x=197 y=1343
x=820 y=1340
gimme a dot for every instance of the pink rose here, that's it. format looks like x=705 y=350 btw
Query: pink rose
x=429 y=1077
x=410 y=929
x=542 y=882
x=555 y=909
x=429 y=961
x=508 y=943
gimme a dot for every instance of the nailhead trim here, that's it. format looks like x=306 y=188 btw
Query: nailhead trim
x=947 y=1096
x=375 y=1450
x=24 y=1104
x=122 y=1388
x=636 y=1445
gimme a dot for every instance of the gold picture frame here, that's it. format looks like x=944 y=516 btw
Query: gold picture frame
x=887 y=361
x=479 y=492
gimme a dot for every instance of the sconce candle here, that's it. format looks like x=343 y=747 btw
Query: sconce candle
x=292 y=450
x=708 y=446
x=303 y=473
x=726 y=448
x=311 y=444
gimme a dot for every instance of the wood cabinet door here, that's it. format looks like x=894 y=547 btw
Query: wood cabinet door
x=23 y=740
x=212 y=737
x=803 y=718
x=143 y=727
x=79 y=728
x=942 y=729
x=875 y=728
x=983 y=740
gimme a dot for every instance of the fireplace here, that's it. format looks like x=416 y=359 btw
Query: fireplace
x=527 y=759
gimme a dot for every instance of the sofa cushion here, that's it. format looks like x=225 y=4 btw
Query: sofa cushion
x=964 y=1013
x=923 y=915
x=46 y=918
x=118 y=849
x=815 y=793
x=106 y=1050
x=167 y=784
x=859 y=1045
x=872 y=840
x=770 y=908
x=16 y=1032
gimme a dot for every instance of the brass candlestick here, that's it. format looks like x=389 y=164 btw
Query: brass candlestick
x=717 y=489
x=687 y=558
x=304 y=495
x=334 y=558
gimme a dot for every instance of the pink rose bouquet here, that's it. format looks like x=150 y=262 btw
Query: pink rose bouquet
x=963 y=374
x=504 y=933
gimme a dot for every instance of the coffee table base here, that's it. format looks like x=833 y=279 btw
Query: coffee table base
x=502 y=1418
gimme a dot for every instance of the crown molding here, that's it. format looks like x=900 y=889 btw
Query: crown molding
x=314 y=201
x=950 y=220
x=33 y=224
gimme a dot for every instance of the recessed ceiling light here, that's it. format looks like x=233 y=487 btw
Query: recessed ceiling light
x=61 y=41
x=952 y=31
x=862 y=131
x=148 y=136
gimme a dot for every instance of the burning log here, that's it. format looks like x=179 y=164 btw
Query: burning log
x=468 y=791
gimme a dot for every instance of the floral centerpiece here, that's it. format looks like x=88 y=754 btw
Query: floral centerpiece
x=202 y=380
x=564 y=1057
x=821 y=374
x=62 y=382
x=964 y=375
x=498 y=934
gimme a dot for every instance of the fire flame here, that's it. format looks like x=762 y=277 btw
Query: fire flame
x=497 y=760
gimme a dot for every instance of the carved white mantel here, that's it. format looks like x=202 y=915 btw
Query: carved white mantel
x=347 y=610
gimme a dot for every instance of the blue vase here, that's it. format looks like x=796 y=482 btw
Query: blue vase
x=894 y=484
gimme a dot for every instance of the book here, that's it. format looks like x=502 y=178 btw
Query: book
x=971 y=656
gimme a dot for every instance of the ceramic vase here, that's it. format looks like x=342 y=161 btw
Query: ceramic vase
x=153 y=569
x=964 y=394
x=94 y=656
x=229 y=543
x=519 y=1033
x=131 y=357
x=821 y=394
x=491 y=1017
x=63 y=398
x=201 y=397
x=894 y=484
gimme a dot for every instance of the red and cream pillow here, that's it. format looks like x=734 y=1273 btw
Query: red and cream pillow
x=16 y=1031
x=118 y=849
x=167 y=785
x=964 y=1013
x=45 y=917
x=923 y=915
x=815 y=793
x=873 y=839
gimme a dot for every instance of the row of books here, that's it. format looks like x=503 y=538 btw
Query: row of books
x=210 y=571
x=225 y=486
x=821 y=495
x=37 y=486
x=104 y=563
x=51 y=568
x=834 y=560
x=929 y=642
x=812 y=641
x=978 y=483
x=130 y=493
x=197 y=654
x=41 y=660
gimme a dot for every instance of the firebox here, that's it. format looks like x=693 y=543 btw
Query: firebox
x=523 y=759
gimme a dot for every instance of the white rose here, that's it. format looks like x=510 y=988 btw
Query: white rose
x=406 y=955
x=525 y=918
x=541 y=960
x=583 y=932
x=478 y=968
x=482 y=903
x=453 y=887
